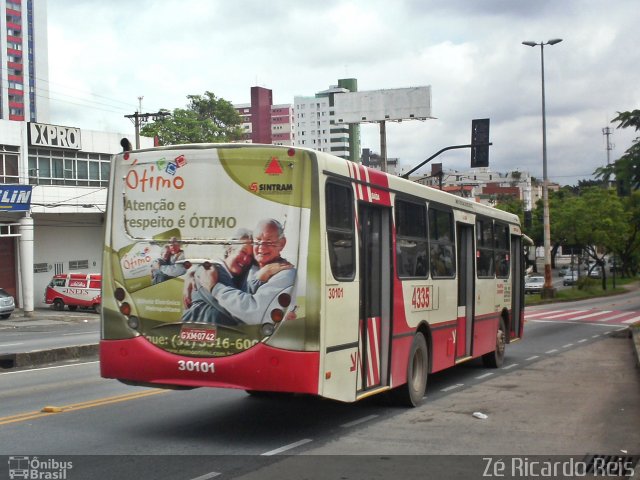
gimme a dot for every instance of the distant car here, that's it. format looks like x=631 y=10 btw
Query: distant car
x=596 y=272
x=564 y=270
x=7 y=304
x=534 y=285
x=571 y=278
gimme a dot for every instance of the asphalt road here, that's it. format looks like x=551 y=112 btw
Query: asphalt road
x=568 y=388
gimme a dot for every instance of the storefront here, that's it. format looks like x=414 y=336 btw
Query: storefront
x=66 y=172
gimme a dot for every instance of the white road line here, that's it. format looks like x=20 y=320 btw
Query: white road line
x=485 y=375
x=48 y=368
x=594 y=314
x=552 y=351
x=621 y=314
x=541 y=313
x=78 y=333
x=10 y=344
x=567 y=345
x=632 y=320
x=207 y=476
x=582 y=340
x=513 y=365
x=595 y=336
x=359 y=421
x=286 y=447
x=570 y=312
x=452 y=387
x=531 y=358
x=569 y=322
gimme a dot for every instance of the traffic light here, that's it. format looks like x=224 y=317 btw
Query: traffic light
x=480 y=137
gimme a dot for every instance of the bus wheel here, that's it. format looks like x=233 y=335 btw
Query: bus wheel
x=411 y=394
x=96 y=307
x=495 y=359
x=58 y=304
x=73 y=308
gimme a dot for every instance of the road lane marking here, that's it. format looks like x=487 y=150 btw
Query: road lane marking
x=452 y=387
x=594 y=314
x=207 y=476
x=286 y=447
x=48 y=368
x=359 y=421
x=531 y=358
x=485 y=375
x=20 y=417
x=542 y=313
x=582 y=340
x=567 y=345
x=632 y=320
x=552 y=351
x=570 y=312
x=10 y=344
x=510 y=366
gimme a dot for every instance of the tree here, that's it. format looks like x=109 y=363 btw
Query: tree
x=207 y=119
x=626 y=169
x=595 y=219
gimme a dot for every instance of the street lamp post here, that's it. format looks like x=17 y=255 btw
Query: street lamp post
x=548 y=291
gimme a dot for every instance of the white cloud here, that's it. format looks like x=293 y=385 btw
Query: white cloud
x=107 y=54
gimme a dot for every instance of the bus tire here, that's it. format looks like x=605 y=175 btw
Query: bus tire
x=97 y=307
x=495 y=359
x=73 y=308
x=411 y=393
x=58 y=304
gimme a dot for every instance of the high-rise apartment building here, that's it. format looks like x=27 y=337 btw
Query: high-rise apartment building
x=264 y=122
x=24 y=76
x=316 y=126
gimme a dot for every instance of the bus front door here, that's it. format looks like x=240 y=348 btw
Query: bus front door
x=517 y=287
x=375 y=296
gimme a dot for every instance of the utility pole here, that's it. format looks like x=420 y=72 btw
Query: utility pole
x=141 y=119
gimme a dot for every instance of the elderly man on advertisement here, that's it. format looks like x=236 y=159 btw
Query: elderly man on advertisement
x=270 y=276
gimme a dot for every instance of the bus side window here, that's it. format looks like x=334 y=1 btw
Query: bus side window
x=411 y=239
x=485 y=245
x=441 y=243
x=340 y=230
x=502 y=251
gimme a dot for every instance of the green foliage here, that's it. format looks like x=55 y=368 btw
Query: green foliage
x=207 y=119
x=626 y=169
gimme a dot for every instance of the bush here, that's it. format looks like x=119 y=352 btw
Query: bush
x=588 y=283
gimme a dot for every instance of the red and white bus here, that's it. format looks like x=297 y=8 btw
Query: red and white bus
x=385 y=280
x=74 y=290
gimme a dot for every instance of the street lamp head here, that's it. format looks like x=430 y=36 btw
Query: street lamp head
x=554 y=41
x=530 y=44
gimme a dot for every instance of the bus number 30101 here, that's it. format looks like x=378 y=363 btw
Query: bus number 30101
x=421 y=298
x=193 y=366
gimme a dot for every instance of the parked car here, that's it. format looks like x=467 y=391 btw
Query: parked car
x=595 y=272
x=570 y=278
x=564 y=270
x=7 y=304
x=533 y=285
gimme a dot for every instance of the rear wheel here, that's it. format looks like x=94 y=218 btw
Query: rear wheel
x=411 y=394
x=97 y=307
x=58 y=304
x=495 y=359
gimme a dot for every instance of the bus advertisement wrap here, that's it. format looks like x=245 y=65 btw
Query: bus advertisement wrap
x=209 y=258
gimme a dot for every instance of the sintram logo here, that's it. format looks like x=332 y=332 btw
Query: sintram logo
x=273 y=188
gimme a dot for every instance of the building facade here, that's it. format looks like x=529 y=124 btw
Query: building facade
x=316 y=127
x=264 y=122
x=24 y=77
x=65 y=172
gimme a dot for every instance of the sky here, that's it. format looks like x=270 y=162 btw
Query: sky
x=103 y=56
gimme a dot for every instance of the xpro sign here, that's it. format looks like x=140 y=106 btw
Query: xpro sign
x=54 y=136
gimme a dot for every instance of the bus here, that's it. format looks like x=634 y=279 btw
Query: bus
x=277 y=269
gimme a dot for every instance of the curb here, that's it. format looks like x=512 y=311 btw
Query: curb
x=43 y=357
x=635 y=340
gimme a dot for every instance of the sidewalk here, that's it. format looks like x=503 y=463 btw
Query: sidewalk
x=48 y=316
